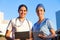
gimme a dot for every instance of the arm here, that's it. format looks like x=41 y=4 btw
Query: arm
x=9 y=29
x=31 y=35
x=52 y=34
x=51 y=29
x=8 y=33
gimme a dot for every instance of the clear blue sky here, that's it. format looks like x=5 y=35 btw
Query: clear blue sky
x=10 y=7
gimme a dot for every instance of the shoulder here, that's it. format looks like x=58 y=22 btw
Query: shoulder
x=50 y=23
x=13 y=20
x=35 y=23
x=48 y=20
x=29 y=22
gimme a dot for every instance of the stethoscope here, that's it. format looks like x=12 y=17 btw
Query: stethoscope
x=21 y=23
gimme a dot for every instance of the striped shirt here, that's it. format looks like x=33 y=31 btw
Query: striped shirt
x=43 y=28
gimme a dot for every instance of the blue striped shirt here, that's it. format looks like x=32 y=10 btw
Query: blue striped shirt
x=42 y=27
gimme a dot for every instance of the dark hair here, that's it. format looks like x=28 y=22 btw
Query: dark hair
x=40 y=5
x=22 y=5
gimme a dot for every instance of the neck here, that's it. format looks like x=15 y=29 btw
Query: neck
x=21 y=19
x=41 y=19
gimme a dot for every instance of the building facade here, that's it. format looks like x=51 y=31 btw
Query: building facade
x=3 y=24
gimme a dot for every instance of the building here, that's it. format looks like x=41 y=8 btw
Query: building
x=58 y=24
x=1 y=17
x=3 y=24
x=58 y=19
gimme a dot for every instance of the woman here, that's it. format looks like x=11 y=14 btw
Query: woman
x=19 y=24
x=43 y=28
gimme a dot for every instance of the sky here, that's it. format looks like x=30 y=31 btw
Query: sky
x=10 y=9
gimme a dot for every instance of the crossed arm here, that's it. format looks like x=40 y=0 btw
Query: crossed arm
x=43 y=36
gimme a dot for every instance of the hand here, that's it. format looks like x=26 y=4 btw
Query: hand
x=42 y=36
x=31 y=38
x=7 y=35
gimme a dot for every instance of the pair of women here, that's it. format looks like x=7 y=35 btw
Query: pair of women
x=42 y=29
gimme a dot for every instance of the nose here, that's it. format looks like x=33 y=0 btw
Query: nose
x=22 y=11
x=39 y=12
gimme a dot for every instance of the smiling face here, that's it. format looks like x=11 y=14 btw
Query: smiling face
x=22 y=12
x=40 y=12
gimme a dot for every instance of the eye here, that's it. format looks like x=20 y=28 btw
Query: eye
x=20 y=10
x=24 y=10
x=41 y=10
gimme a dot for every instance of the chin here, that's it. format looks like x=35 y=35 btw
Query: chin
x=22 y=17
